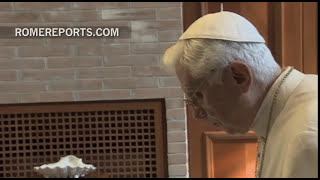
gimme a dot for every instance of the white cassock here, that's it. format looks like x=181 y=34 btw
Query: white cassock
x=292 y=144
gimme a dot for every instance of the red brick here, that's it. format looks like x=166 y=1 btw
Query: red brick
x=70 y=16
x=173 y=103
x=21 y=42
x=177 y=170
x=20 y=17
x=113 y=49
x=104 y=95
x=169 y=36
x=130 y=60
x=176 y=114
x=30 y=98
x=5 y=6
x=15 y=87
x=169 y=13
x=128 y=14
x=155 y=4
x=150 y=48
x=112 y=72
x=100 y=5
x=119 y=83
x=47 y=97
x=171 y=81
x=170 y=24
x=69 y=85
x=139 y=70
x=56 y=96
x=184 y=176
x=104 y=23
x=177 y=158
x=158 y=93
x=176 y=125
x=144 y=36
x=42 y=5
x=69 y=62
x=48 y=74
x=179 y=136
x=160 y=25
x=8 y=75
x=8 y=98
x=22 y=63
x=129 y=83
x=87 y=42
x=176 y=148
x=118 y=40
x=6 y=52
x=37 y=51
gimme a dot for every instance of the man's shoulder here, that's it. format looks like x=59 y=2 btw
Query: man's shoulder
x=302 y=103
x=301 y=155
x=305 y=140
x=300 y=112
x=308 y=84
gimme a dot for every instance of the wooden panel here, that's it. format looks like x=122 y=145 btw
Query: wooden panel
x=191 y=12
x=121 y=139
x=251 y=158
x=310 y=37
x=275 y=31
x=229 y=160
x=230 y=156
x=291 y=34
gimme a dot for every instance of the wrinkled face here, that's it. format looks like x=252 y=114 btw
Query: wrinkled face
x=221 y=104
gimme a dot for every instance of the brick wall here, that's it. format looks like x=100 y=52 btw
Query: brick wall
x=48 y=70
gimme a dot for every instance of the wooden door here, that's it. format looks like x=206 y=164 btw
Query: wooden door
x=290 y=31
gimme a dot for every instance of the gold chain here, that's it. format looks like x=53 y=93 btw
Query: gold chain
x=264 y=143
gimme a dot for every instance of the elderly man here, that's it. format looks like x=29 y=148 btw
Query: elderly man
x=231 y=79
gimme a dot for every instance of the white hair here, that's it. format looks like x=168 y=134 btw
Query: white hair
x=200 y=56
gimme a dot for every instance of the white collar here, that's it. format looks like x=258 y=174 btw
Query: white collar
x=259 y=125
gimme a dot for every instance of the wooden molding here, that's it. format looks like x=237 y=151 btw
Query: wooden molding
x=209 y=140
x=310 y=37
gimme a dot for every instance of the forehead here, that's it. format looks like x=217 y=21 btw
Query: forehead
x=188 y=83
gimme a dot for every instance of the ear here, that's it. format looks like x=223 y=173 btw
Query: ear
x=239 y=75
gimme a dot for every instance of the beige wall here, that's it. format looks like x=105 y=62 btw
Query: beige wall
x=48 y=70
